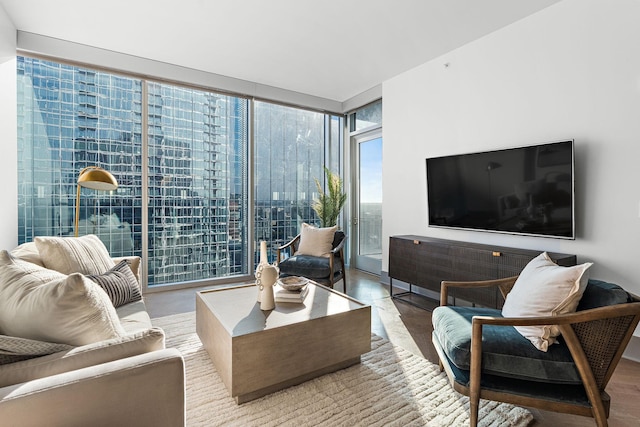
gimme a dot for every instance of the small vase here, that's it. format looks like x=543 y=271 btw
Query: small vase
x=269 y=275
x=258 y=274
x=264 y=259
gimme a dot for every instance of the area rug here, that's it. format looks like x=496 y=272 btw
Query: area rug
x=391 y=387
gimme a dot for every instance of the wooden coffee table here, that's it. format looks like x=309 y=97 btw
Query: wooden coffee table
x=257 y=353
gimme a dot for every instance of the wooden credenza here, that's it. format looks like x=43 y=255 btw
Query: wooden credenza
x=425 y=262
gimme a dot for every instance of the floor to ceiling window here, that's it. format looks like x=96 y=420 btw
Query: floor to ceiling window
x=182 y=159
x=197 y=145
x=70 y=118
x=291 y=147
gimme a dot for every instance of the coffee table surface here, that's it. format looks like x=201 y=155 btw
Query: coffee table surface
x=237 y=310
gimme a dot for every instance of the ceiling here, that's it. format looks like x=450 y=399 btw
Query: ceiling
x=333 y=49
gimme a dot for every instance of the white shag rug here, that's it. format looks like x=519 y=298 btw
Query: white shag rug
x=390 y=387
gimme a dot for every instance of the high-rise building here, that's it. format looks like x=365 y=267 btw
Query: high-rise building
x=72 y=117
x=189 y=168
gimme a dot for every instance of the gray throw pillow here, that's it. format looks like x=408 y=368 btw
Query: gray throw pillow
x=15 y=349
x=119 y=283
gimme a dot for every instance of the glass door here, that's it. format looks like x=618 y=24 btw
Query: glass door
x=367 y=220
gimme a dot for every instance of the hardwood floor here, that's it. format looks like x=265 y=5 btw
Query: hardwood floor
x=410 y=327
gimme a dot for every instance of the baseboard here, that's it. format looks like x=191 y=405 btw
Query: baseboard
x=633 y=348
x=384 y=278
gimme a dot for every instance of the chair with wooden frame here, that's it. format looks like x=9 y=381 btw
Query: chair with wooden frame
x=594 y=338
x=325 y=270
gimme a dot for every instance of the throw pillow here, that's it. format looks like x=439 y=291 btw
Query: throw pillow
x=119 y=283
x=45 y=305
x=134 y=264
x=544 y=288
x=28 y=252
x=86 y=254
x=316 y=241
x=15 y=349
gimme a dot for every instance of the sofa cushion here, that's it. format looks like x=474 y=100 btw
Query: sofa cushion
x=602 y=294
x=316 y=241
x=311 y=267
x=86 y=254
x=41 y=304
x=505 y=352
x=134 y=317
x=119 y=283
x=544 y=288
x=82 y=357
x=15 y=349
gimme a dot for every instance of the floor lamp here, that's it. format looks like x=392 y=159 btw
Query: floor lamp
x=96 y=178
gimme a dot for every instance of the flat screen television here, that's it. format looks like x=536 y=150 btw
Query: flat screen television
x=525 y=190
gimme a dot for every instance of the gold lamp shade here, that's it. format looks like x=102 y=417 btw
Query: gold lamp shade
x=95 y=178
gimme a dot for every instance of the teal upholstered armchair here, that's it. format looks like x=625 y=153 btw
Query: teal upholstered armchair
x=485 y=357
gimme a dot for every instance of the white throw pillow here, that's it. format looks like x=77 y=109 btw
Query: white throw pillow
x=45 y=305
x=545 y=289
x=86 y=254
x=316 y=241
x=28 y=252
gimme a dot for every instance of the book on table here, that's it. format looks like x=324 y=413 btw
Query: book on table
x=283 y=295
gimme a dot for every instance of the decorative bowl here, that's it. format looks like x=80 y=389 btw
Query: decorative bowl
x=293 y=283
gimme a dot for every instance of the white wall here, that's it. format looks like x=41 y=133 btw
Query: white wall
x=570 y=71
x=8 y=134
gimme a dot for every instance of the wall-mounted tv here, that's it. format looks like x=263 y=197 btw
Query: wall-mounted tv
x=525 y=190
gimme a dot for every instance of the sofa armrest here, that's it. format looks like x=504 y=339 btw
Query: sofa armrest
x=143 y=390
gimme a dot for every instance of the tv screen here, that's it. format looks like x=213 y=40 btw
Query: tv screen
x=526 y=190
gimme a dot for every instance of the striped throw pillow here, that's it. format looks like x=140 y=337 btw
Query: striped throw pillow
x=119 y=283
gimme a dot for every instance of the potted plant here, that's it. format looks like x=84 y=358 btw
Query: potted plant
x=328 y=205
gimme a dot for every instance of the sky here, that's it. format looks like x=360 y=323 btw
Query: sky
x=371 y=171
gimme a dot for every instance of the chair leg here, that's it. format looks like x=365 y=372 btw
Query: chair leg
x=344 y=281
x=474 y=405
x=474 y=371
x=599 y=413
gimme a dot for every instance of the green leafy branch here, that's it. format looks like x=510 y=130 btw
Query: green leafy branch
x=328 y=205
